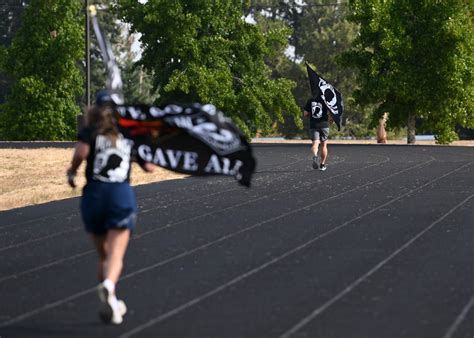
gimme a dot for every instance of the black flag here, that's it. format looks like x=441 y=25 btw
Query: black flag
x=330 y=95
x=194 y=139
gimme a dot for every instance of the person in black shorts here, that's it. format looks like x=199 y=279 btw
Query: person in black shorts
x=108 y=205
x=318 y=113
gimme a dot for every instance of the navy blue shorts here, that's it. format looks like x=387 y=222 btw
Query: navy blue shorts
x=106 y=206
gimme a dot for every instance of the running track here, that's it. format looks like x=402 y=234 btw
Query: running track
x=379 y=245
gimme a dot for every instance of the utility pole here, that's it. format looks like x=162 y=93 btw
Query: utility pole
x=80 y=117
x=88 y=59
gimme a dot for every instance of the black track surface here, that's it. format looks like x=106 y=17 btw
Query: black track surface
x=379 y=245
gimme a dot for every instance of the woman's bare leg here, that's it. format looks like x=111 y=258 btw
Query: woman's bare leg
x=99 y=243
x=116 y=243
x=113 y=246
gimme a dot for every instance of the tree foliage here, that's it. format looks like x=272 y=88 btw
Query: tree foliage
x=416 y=60
x=43 y=63
x=271 y=15
x=10 y=20
x=204 y=51
x=137 y=81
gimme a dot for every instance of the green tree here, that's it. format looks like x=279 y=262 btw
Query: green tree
x=10 y=19
x=270 y=15
x=416 y=61
x=204 y=51
x=43 y=62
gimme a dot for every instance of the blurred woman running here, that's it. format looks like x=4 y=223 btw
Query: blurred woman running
x=108 y=203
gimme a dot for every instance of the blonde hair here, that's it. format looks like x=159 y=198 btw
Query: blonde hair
x=102 y=120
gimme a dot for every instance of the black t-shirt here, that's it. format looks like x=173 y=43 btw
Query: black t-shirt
x=319 y=113
x=107 y=162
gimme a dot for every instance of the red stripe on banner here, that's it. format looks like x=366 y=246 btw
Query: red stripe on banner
x=132 y=123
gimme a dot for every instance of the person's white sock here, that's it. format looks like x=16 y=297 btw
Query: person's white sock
x=109 y=285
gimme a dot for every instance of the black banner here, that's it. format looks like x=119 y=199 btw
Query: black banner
x=192 y=139
x=331 y=96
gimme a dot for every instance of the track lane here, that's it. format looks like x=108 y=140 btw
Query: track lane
x=84 y=301
x=172 y=329
x=383 y=176
x=16 y=282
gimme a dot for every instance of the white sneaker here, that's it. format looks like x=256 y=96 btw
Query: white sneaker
x=112 y=310
x=122 y=307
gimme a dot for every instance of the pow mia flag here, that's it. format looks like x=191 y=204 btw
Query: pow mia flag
x=330 y=95
x=192 y=139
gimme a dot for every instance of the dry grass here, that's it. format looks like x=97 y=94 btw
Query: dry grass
x=33 y=176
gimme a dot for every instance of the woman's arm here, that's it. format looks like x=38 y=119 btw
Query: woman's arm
x=148 y=167
x=80 y=154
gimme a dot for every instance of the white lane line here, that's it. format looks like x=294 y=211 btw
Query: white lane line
x=459 y=319
x=39 y=239
x=41 y=267
x=181 y=255
x=47 y=307
x=249 y=273
x=315 y=313
x=36 y=220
